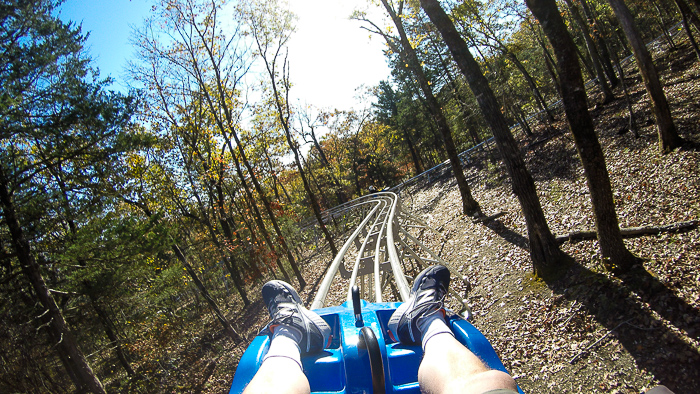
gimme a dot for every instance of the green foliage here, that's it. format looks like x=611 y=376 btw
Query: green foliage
x=102 y=199
x=63 y=142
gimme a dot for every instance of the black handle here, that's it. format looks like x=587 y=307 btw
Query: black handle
x=369 y=341
x=357 y=309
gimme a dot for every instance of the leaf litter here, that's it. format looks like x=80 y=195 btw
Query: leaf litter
x=589 y=331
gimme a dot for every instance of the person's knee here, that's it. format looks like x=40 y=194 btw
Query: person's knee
x=434 y=380
x=491 y=380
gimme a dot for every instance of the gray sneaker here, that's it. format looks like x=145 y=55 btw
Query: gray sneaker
x=425 y=299
x=286 y=309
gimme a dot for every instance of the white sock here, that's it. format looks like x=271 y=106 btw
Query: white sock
x=433 y=325
x=285 y=343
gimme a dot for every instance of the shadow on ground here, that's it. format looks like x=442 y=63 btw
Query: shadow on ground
x=627 y=306
x=507 y=234
x=645 y=315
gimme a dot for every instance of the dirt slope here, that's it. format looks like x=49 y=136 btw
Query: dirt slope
x=590 y=331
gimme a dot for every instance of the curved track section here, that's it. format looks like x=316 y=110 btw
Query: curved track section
x=381 y=247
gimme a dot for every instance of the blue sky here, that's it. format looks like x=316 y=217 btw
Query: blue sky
x=108 y=22
x=330 y=56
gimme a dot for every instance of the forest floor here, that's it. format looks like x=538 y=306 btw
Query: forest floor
x=588 y=331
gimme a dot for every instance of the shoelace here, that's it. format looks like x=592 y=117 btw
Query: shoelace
x=285 y=310
x=424 y=305
x=274 y=302
x=432 y=307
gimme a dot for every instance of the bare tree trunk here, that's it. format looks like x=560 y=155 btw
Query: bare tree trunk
x=230 y=131
x=274 y=176
x=101 y=314
x=406 y=135
x=254 y=257
x=218 y=101
x=469 y=205
x=539 y=99
x=593 y=51
x=668 y=135
x=340 y=195
x=322 y=196
x=522 y=119
x=461 y=100
x=307 y=187
x=252 y=205
x=615 y=255
x=228 y=328
x=356 y=177
x=281 y=102
x=83 y=376
x=205 y=221
x=632 y=124
x=231 y=264
x=687 y=13
x=548 y=61
x=663 y=25
x=546 y=256
x=605 y=57
x=112 y=336
x=584 y=61
x=256 y=211
x=65 y=360
x=319 y=149
x=412 y=149
x=492 y=35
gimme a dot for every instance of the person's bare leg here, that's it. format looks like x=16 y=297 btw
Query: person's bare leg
x=279 y=375
x=293 y=328
x=449 y=367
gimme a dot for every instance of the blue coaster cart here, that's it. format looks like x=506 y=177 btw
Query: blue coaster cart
x=362 y=358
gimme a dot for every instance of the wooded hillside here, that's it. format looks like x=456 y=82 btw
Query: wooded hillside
x=137 y=229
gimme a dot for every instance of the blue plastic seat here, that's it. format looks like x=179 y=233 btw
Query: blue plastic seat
x=344 y=366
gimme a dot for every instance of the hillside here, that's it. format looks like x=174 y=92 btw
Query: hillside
x=589 y=331
x=141 y=215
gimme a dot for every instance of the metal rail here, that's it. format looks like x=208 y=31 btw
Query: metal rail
x=381 y=247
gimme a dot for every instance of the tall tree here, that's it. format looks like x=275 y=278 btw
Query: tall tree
x=74 y=360
x=221 y=99
x=493 y=40
x=668 y=135
x=308 y=127
x=593 y=52
x=408 y=55
x=76 y=214
x=271 y=28
x=191 y=64
x=548 y=61
x=54 y=116
x=601 y=43
x=546 y=256
x=142 y=194
x=686 y=14
x=388 y=112
x=615 y=255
